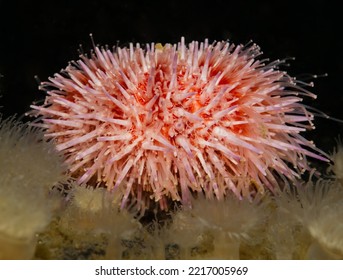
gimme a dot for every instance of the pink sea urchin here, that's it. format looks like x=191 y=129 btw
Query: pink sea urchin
x=165 y=121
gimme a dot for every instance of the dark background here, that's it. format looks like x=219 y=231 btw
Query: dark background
x=40 y=37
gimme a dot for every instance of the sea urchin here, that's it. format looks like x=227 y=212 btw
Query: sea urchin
x=162 y=122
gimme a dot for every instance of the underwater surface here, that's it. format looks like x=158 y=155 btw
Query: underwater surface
x=45 y=214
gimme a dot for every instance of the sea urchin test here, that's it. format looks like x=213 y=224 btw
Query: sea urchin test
x=163 y=122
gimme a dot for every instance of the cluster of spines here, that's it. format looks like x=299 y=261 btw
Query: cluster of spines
x=170 y=119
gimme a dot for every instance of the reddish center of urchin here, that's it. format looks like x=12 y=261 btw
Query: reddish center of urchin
x=161 y=122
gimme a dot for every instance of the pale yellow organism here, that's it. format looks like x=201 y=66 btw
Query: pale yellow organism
x=91 y=209
x=318 y=208
x=29 y=168
x=89 y=199
x=285 y=237
x=215 y=229
x=93 y=213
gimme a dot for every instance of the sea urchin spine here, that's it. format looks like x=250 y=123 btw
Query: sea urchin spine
x=165 y=121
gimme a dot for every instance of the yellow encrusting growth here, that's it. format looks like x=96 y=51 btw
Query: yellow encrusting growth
x=316 y=209
x=29 y=167
x=92 y=219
